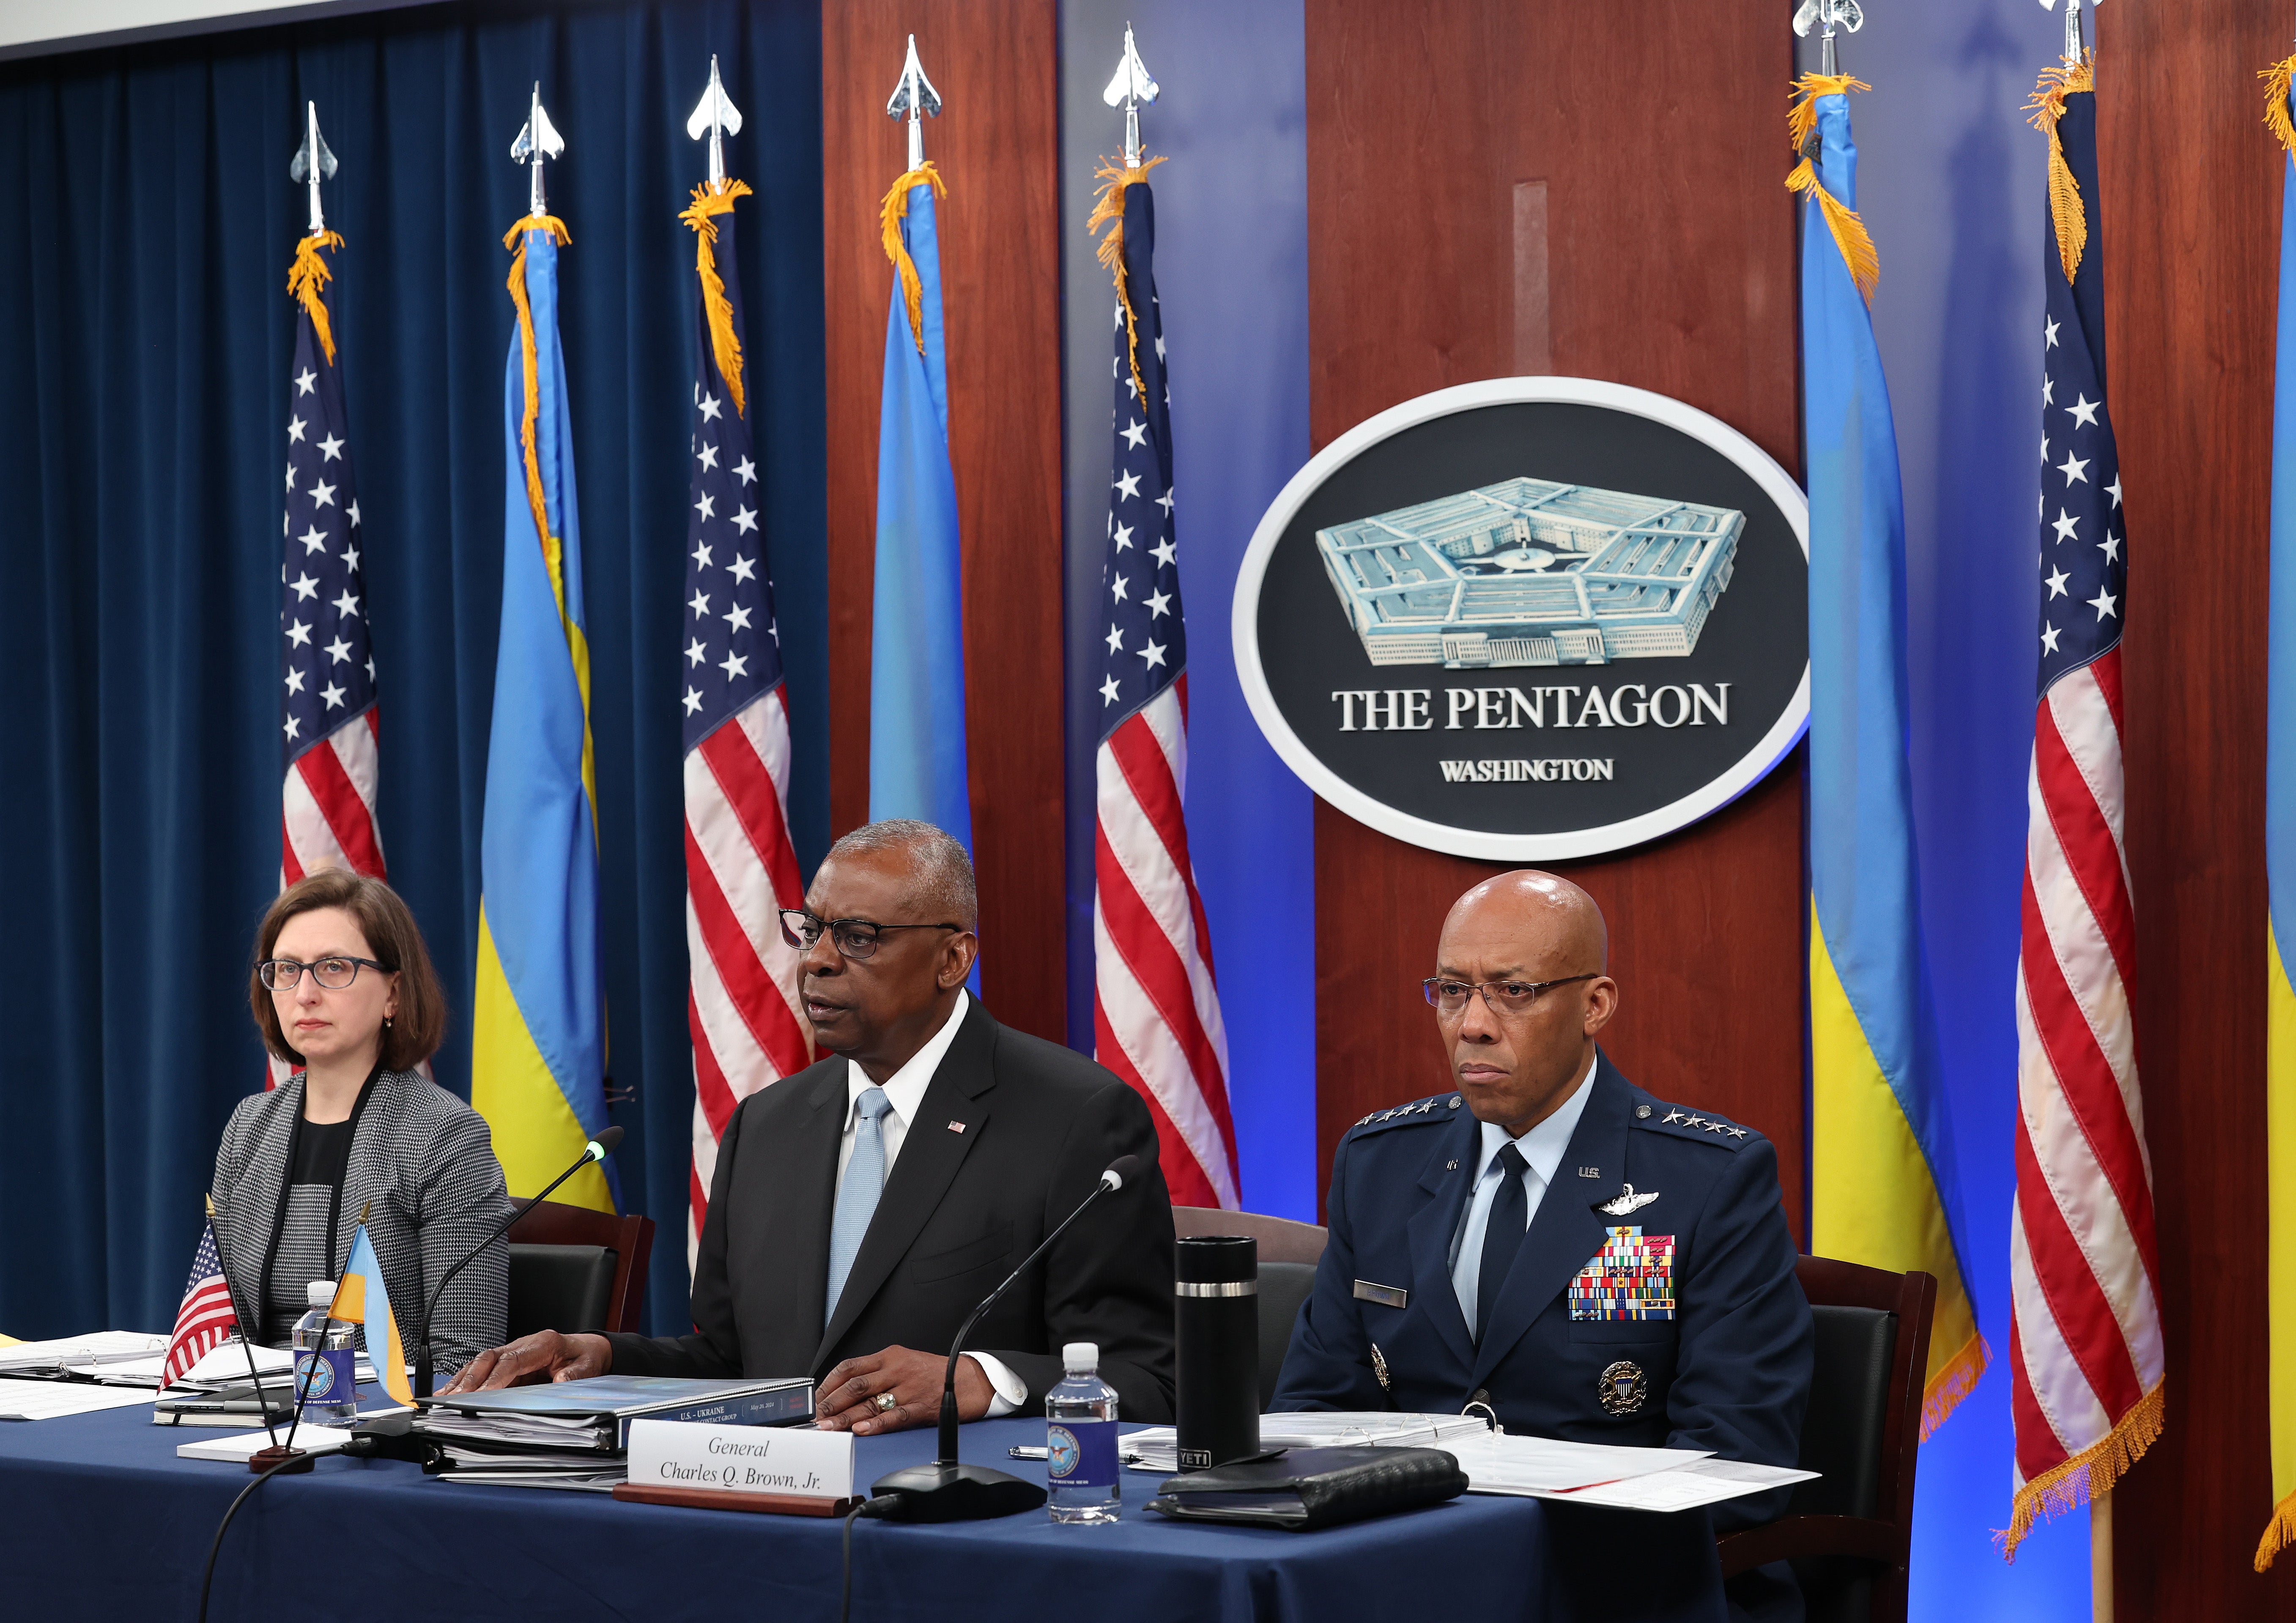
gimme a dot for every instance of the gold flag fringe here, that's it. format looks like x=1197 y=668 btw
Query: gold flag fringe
x=2276 y=83
x=2280 y=1534
x=1849 y=232
x=515 y=241
x=2047 y=106
x=889 y=215
x=1107 y=210
x=724 y=343
x=2088 y=1474
x=306 y=277
x=1942 y=1393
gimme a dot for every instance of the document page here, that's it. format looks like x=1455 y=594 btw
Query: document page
x=1707 y=1482
x=1499 y=1463
x=53 y=1399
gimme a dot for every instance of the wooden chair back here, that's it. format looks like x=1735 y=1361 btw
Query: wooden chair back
x=629 y=1237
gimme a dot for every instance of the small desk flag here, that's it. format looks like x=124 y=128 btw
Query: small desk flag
x=916 y=642
x=1883 y=1189
x=537 y=1021
x=361 y=1298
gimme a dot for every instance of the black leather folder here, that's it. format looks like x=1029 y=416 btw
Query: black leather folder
x=1301 y=1489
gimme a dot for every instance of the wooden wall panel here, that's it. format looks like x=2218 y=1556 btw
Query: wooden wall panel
x=2192 y=216
x=997 y=144
x=1670 y=243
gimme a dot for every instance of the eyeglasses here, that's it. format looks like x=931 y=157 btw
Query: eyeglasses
x=856 y=939
x=281 y=974
x=1500 y=996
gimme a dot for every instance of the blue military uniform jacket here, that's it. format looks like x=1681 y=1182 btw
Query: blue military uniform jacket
x=1675 y=1321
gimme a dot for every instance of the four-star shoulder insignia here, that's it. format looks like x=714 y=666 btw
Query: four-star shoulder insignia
x=1418 y=1110
x=1680 y=1123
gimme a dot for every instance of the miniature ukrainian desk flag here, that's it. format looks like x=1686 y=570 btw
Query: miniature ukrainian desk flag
x=361 y=1298
x=538 y=1020
x=2280 y=868
x=916 y=644
x=1881 y=1150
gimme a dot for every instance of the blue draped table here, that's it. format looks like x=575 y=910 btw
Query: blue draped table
x=99 y=1519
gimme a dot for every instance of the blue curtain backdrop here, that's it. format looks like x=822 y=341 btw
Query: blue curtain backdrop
x=146 y=225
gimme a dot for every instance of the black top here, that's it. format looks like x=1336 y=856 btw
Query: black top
x=303 y=1247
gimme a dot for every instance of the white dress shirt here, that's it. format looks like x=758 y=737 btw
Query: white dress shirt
x=904 y=1092
x=1542 y=1147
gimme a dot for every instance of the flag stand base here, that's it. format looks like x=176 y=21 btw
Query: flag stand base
x=288 y=1462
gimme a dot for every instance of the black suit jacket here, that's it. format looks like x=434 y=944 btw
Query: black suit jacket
x=961 y=1208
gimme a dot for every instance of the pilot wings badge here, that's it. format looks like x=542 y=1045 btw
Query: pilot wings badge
x=1619 y=1206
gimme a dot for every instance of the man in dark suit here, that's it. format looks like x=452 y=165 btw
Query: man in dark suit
x=1586 y=1260
x=863 y=1208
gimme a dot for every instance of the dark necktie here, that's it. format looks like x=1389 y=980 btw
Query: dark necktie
x=1502 y=1235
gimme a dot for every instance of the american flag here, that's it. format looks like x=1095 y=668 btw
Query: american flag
x=2085 y=1341
x=741 y=870
x=328 y=721
x=327 y=709
x=1156 y=1014
x=206 y=1314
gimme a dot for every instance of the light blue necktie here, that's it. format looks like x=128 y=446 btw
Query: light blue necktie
x=856 y=1196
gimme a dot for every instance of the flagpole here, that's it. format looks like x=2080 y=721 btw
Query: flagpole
x=915 y=96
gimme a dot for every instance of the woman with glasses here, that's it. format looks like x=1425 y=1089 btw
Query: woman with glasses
x=343 y=988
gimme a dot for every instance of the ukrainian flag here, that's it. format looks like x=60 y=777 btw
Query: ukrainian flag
x=538 y=1023
x=916 y=645
x=360 y=1299
x=2280 y=872
x=1882 y=1151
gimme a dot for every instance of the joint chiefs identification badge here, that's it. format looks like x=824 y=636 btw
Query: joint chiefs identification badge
x=1622 y=1387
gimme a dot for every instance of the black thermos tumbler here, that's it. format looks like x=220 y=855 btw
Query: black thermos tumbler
x=1218 y=1292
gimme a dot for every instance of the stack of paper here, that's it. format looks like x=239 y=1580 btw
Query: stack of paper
x=53 y=1399
x=80 y=1353
x=1496 y=1462
x=1158 y=1447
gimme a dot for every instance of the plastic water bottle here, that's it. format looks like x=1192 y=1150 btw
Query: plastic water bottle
x=325 y=1360
x=1080 y=1464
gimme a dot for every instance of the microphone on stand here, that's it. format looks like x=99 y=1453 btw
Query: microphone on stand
x=597 y=1150
x=946 y=1490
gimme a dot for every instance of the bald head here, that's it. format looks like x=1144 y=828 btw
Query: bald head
x=1554 y=925
x=1533 y=948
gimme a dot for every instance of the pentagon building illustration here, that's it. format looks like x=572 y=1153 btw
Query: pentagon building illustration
x=1529 y=572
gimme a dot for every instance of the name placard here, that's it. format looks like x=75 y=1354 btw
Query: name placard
x=788 y=1461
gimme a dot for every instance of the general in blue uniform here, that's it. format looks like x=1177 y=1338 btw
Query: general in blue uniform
x=1590 y=1261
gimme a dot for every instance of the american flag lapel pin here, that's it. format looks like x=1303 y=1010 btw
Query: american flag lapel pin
x=956 y=1127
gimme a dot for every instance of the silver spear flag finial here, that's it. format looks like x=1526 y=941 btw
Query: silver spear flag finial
x=313 y=163
x=1842 y=15
x=1129 y=88
x=915 y=96
x=2073 y=50
x=715 y=116
x=538 y=140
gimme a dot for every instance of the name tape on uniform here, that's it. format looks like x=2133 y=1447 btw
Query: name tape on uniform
x=742 y=1459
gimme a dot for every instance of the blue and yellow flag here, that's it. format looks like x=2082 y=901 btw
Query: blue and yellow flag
x=1883 y=1187
x=916 y=644
x=538 y=1019
x=2280 y=866
x=361 y=1298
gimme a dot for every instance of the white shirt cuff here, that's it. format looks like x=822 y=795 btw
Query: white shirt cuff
x=1010 y=1391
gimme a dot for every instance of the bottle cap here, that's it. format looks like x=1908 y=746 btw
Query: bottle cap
x=1081 y=1355
x=320 y=1293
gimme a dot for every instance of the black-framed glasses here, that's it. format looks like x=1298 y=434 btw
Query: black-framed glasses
x=856 y=939
x=334 y=973
x=1500 y=996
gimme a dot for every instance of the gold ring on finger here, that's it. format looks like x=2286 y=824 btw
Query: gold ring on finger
x=886 y=1402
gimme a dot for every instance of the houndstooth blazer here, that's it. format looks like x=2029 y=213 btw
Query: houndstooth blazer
x=422 y=1165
